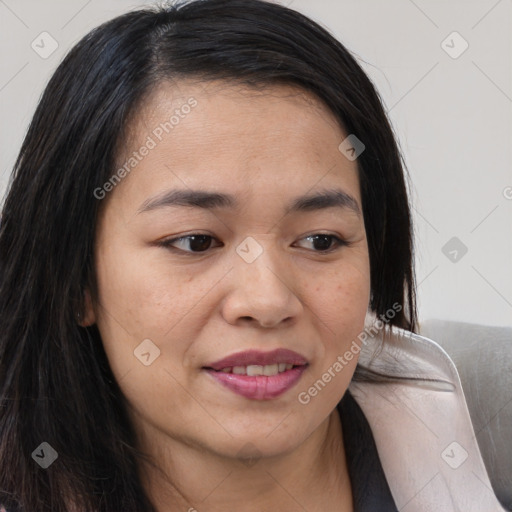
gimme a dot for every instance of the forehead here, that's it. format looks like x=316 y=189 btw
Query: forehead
x=286 y=114
x=246 y=138
x=170 y=93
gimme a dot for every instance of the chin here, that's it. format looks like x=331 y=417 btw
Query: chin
x=261 y=442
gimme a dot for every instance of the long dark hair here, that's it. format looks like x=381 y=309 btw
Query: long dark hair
x=55 y=381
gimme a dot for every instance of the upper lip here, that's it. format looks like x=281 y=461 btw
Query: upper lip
x=257 y=357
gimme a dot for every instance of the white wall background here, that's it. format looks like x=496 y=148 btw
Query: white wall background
x=453 y=117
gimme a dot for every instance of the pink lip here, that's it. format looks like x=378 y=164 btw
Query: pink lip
x=259 y=387
x=249 y=357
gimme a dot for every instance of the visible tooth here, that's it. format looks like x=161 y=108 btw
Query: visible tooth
x=226 y=370
x=289 y=366
x=270 y=369
x=282 y=367
x=239 y=370
x=254 y=369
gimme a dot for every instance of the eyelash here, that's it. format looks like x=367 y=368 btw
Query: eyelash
x=168 y=244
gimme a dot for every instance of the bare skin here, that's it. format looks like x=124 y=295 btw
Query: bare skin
x=218 y=450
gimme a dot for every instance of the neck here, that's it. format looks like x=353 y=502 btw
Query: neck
x=312 y=477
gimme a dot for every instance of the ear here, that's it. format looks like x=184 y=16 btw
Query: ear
x=86 y=316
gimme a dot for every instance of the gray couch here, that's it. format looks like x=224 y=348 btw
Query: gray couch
x=483 y=356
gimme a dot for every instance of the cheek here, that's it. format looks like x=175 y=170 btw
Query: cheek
x=144 y=298
x=341 y=300
x=144 y=295
x=341 y=304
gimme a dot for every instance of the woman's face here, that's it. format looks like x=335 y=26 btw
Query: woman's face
x=218 y=243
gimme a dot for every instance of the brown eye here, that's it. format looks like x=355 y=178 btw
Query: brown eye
x=323 y=242
x=190 y=243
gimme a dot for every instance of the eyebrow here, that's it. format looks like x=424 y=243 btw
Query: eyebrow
x=328 y=198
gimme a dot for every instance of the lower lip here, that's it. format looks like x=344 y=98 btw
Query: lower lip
x=259 y=387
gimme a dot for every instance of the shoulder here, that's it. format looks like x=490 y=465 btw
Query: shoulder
x=411 y=395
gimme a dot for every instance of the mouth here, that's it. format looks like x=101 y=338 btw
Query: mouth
x=259 y=375
x=253 y=370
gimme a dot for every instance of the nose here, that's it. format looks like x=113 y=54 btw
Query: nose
x=262 y=292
